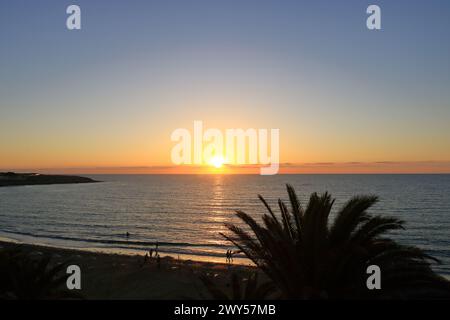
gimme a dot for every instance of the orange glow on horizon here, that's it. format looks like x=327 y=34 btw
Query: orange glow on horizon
x=224 y=168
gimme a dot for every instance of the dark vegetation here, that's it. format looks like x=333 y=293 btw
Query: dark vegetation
x=28 y=276
x=308 y=255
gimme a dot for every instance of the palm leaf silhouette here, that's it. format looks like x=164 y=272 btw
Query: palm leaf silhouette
x=309 y=256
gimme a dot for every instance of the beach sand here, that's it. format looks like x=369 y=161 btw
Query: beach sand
x=116 y=276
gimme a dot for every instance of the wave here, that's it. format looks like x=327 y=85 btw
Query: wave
x=118 y=242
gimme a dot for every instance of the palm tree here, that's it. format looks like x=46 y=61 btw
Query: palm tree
x=307 y=256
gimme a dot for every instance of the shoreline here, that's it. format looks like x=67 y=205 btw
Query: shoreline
x=7 y=237
x=120 y=276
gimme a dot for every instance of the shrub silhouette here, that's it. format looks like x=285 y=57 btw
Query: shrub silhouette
x=23 y=276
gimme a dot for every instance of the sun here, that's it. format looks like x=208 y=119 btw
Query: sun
x=217 y=161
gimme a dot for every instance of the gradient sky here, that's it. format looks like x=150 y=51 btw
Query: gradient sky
x=110 y=94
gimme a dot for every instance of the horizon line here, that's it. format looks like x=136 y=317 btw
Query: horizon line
x=375 y=167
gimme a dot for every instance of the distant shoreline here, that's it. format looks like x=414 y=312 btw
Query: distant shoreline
x=10 y=179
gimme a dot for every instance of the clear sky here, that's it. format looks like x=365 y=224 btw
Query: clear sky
x=110 y=95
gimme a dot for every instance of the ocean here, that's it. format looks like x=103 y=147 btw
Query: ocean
x=186 y=213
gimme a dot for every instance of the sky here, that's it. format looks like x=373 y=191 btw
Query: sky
x=106 y=98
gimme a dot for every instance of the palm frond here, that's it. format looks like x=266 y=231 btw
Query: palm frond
x=306 y=256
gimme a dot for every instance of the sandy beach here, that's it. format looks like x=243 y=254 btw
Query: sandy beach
x=116 y=276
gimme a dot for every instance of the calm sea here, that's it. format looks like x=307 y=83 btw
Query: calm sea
x=185 y=213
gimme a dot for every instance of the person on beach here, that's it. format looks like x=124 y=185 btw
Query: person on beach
x=228 y=255
x=158 y=261
x=146 y=258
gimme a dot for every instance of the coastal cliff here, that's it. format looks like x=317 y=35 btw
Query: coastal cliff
x=23 y=179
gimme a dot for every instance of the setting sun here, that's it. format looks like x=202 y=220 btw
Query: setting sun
x=217 y=161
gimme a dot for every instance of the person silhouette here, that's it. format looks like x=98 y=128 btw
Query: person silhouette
x=145 y=259
x=228 y=256
x=158 y=261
